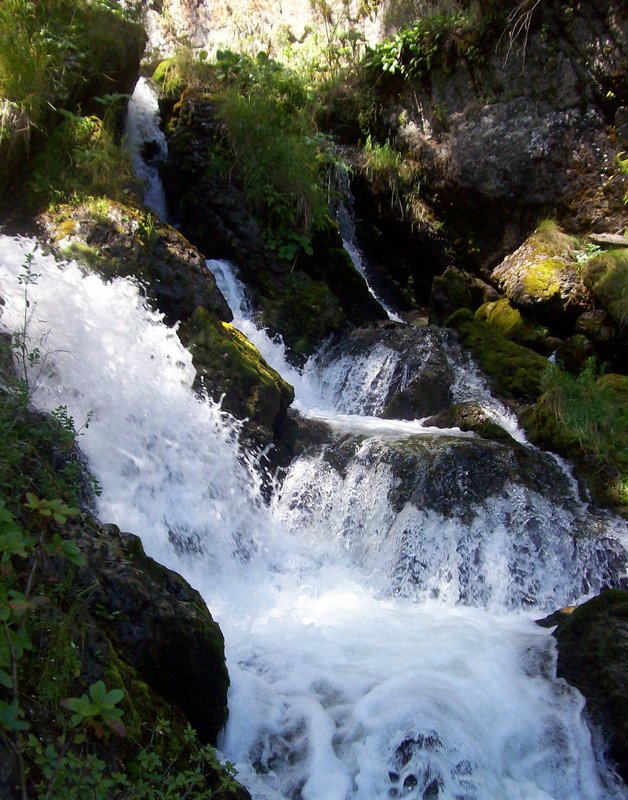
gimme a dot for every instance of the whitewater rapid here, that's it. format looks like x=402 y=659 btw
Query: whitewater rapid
x=342 y=687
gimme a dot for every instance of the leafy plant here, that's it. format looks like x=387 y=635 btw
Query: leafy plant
x=99 y=704
x=417 y=48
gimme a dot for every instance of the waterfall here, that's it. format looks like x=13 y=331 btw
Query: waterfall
x=377 y=647
x=147 y=146
x=346 y=224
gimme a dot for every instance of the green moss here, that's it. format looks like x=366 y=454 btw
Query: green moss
x=510 y=322
x=514 y=369
x=542 y=280
x=606 y=276
x=226 y=362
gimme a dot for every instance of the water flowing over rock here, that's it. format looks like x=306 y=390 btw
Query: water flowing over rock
x=373 y=612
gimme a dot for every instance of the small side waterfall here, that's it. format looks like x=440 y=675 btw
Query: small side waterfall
x=147 y=145
x=379 y=645
x=346 y=224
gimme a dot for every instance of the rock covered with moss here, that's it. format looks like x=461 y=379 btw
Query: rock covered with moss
x=513 y=370
x=157 y=624
x=230 y=367
x=119 y=240
x=592 y=646
x=455 y=289
x=541 y=278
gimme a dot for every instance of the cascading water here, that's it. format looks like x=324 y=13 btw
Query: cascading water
x=147 y=145
x=357 y=673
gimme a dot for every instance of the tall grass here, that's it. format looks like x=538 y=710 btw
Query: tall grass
x=592 y=410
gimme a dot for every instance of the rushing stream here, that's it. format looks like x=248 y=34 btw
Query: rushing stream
x=378 y=612
x=345 y=684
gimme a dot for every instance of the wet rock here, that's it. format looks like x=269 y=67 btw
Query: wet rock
x=119 y=241
x=158 y=624
x=415 y=374
x=468 y=417
x=228 y=364
x=592 y=655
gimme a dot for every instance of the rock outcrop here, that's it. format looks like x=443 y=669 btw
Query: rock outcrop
x=303 y=299
x=592 y=645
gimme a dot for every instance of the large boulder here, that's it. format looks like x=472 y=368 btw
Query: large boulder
x=593 y=656
x=230 y=367
x=157 y=623
x=542 y=279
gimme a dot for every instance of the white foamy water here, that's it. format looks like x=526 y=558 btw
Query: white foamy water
x=142 y=130
x=342 y=687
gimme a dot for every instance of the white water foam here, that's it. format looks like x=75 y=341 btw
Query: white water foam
x=142 y=129
x=338 y=692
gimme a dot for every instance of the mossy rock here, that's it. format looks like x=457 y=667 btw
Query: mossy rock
x=543 y=278
x=606 y=276
x=158 y=623
x=514 y=370
x=512 y=324
x=118 y=240
x=455 y=289
x=593 y=656
x=228 y=364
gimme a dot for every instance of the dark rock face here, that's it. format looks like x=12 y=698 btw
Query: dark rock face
x=468 y=417
x=508 y=137
x=592 y=656
x=158 y=624
x=304 y=300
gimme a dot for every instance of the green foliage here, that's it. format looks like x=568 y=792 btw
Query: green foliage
x=592 y=410
x=44 y=45
x=271 y=144
x=81 y=158
x=417 y=48
x=98 y=704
